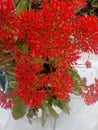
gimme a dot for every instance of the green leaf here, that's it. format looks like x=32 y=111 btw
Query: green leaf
x=13 y=84
x=74 y=74
x=46 y=110
x=44 y=114
x=43 y=118
x=21 y=7
x=35 y=112
x=52 y=112
x=19 y=110
x=24 y=47
x=30 y=113
x=58 y=103
x=77 y=90
x=79 y=86
x=11 y=73
x=62 y=106
x=66 y=109
x=39 y=60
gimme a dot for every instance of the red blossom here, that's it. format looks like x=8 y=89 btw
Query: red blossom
x=96 y=50
x=91 y=94
x=86 y=33
x=47 y=32
x=8 y=25
x=88 y=64
x=34 y=88
x=27 y=73
x=77 y=3
x=6 y=100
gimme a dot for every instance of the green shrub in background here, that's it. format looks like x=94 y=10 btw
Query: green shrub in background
x=90 y=9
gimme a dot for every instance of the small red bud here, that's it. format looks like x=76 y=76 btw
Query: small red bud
x=88 y=64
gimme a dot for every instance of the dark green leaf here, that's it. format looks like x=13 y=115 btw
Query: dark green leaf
x=35 y=112
x=19 y=110
x=24 y=47
x=58 y=103
x=30 y=113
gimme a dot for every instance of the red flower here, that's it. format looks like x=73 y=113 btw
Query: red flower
x=91 y=94
x=77 y=3
x=88 y=64
x=86 y=33
x=6 y=100
x=34 y=88
x=8 y=25
x=27 y=73
x=47 y=32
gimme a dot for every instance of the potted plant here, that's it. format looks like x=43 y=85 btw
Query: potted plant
x=40 y=44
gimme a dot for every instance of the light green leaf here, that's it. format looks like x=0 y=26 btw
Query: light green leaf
x=43 y=118
x=62 y=106
x=39 y=60
x=66 y=109
x=46 y=110
x=12 y=84
x=21 y=7
x=77 y=90
x=44 y=114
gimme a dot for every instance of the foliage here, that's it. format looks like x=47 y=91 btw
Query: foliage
x=90 y=9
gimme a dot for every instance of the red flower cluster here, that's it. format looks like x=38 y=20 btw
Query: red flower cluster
x=27 y=74
x=53 y=38
x=47 y=31
x=47 y=35
x=91 y=95
x=77 y=3
x=8 y=25
x=6 y=100
x=37 y=86
x=88 y=64
x=86 y=33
